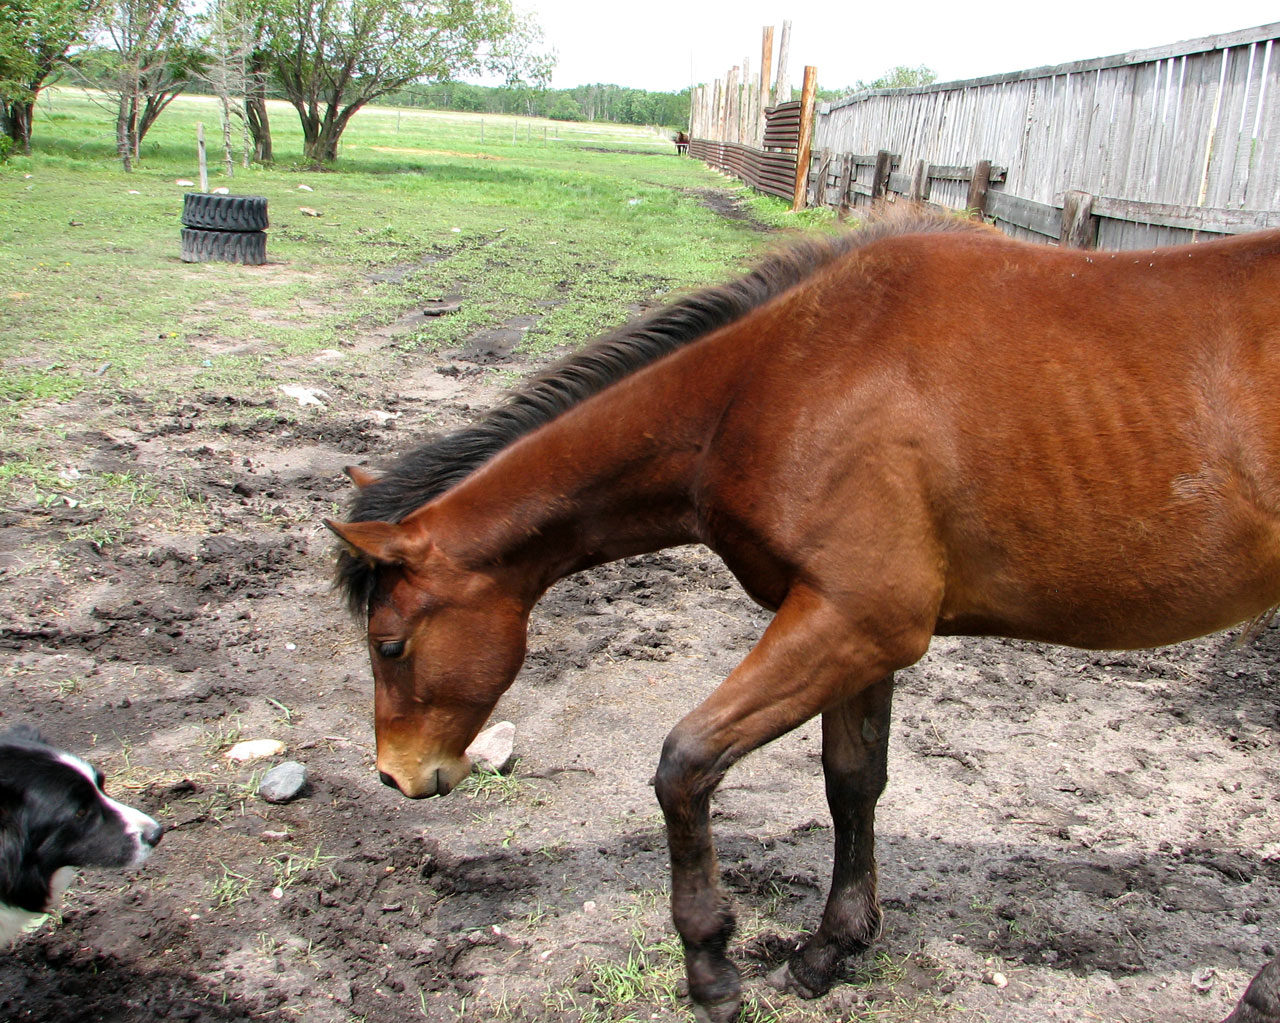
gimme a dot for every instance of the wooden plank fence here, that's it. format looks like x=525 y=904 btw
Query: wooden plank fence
x=1153 y=147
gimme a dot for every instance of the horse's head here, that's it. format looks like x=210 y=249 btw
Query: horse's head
x=445 y=641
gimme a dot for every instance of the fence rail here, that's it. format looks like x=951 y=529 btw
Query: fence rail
x=1151 y=147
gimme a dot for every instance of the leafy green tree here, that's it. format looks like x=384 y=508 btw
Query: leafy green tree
x=35 y=36
x=900 y=77
x=331 y=57
x=565 y=108
x=148 y=58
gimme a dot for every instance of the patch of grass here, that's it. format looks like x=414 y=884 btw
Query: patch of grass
x=626 y=990
x=220 y=735
x=230 y=887
x=500 y=788
x=560 y=230
x=287 y=869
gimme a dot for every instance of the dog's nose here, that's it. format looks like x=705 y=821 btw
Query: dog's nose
x=153 y=834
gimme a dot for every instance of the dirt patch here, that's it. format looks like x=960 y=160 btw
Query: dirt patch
x=729 y=205
x=1098 y=828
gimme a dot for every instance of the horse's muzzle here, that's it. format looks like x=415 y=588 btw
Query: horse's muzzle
x=428 y=779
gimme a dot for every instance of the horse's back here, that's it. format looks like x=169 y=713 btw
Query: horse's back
x=1083 y=443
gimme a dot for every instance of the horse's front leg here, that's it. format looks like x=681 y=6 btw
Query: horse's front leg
x=687 y=774
x=808 y=661
x=855 y=752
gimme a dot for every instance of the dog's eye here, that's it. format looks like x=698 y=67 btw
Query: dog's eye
x=82 y=813
x=391 y=649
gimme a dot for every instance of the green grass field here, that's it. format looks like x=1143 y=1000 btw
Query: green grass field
x=570 y=225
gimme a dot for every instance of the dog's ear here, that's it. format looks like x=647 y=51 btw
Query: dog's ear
x=22 y=733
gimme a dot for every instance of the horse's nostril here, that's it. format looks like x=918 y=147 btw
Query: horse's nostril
x=153 y=835
x=387 y=779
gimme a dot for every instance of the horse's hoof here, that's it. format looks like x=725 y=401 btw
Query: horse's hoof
x=784 y=980
x=717 y=1012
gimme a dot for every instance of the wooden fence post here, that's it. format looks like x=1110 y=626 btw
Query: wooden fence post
x=781 y=87
x=819 y=197
x=200 y=153
x=1079 y=225
x=766 y=69
x=880 y=180
x=807 y=96
x=845 y=204
x=919 y=183
x=976 y=203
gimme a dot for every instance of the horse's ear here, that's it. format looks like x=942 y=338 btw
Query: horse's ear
x=386 y=543
x=360 y=477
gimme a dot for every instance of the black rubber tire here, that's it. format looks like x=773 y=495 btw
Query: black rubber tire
x=248 y=247
x=224 y=212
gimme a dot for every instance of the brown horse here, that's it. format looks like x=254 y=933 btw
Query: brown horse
x=919 y=428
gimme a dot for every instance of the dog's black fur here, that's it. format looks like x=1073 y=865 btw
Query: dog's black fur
x=55 y=816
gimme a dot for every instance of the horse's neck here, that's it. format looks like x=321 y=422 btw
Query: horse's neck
x=609 y=478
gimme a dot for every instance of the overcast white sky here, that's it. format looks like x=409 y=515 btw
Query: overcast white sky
x=663 y=45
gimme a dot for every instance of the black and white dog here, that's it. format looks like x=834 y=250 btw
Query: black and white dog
x=55 y=817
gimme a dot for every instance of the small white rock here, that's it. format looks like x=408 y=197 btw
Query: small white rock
x=589 y=906
x=184 y=183
x=277 y=892
x=305 y=188
x=491 y=749
x=134 y=191
x=304 y=395
x=222 y=191
x=996 y=979
x=254 y=749
x=307 y=211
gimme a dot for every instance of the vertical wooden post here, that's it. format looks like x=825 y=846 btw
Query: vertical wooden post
x=782 y=87
x=807 y=96
x=820 y=178
x=204 y=163
x=845 y=204
x=976 y=202
x=766 y=68
x=880 y=179
x=735 y=104
x=1079 y=225
x=919 y=183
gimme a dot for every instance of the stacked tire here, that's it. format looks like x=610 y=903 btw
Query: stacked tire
x=224 y=228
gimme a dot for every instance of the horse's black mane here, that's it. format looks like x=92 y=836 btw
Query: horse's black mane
x=429 y=470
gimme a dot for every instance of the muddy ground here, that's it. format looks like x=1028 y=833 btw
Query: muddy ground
x=1099 y=829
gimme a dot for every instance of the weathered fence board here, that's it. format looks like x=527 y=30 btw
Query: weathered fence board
x=1192 y=124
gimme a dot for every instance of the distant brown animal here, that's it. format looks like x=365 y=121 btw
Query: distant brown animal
x=682 y=143
x=921 y=428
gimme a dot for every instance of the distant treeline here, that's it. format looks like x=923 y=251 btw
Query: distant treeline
x=585 y=103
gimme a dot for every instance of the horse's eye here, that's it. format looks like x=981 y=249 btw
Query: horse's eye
x=391 y=649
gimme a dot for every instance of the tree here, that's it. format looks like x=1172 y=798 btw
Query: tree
x=150 y=59
x=35 y=36
x=331 y=57
x=236 y=71
x=900 y=77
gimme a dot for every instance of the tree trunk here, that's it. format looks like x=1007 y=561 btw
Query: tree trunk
x=227 y=153
x=323 y=146
x=255 y=109
x=124 y=142
x=15 y=122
